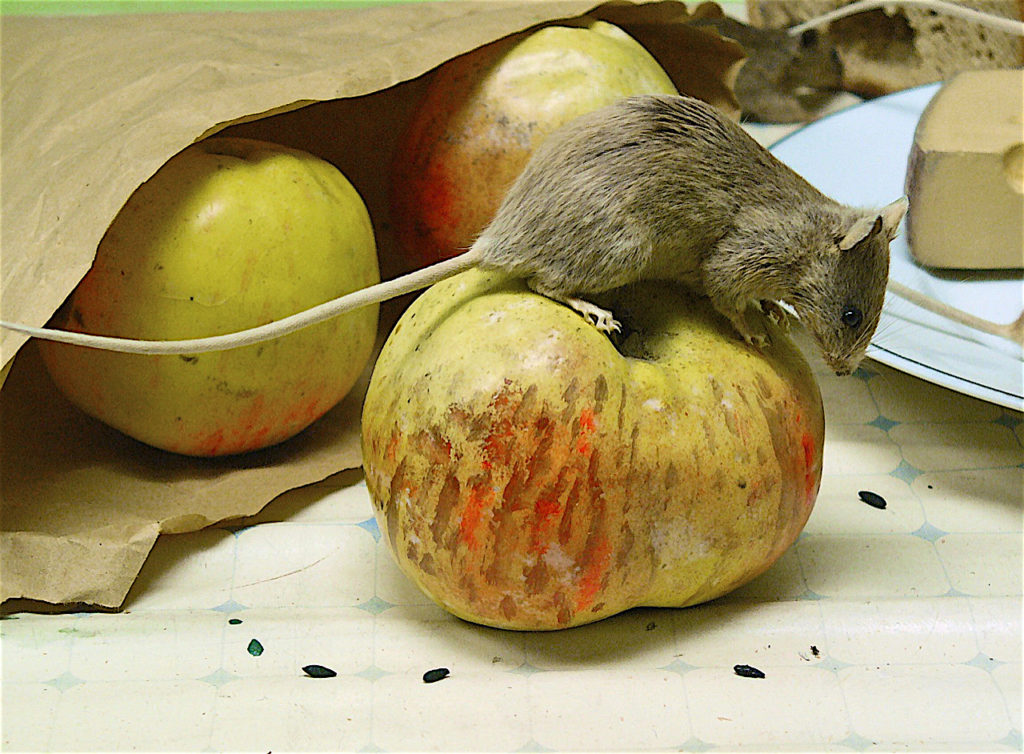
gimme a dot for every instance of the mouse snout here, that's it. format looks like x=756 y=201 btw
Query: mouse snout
x=843 y=366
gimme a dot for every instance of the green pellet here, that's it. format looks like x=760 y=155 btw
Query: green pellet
x=747 y=671
x=318 y=671
x=872 y=498
x=432 y=676
x=255 y=648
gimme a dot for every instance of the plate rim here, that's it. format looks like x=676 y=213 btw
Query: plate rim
x=887 y=355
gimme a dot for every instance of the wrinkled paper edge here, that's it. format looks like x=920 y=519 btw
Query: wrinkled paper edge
x=114 y=567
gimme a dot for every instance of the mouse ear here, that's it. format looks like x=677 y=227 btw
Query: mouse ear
x=892 y=215
x=863 y=228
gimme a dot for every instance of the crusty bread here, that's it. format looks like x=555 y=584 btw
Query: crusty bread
x=887 y=50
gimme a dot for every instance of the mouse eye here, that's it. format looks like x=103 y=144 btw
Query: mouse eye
x=851 y=316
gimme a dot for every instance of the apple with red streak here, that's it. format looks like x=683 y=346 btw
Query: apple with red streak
x=229 y=234
x=528 y=474
x=486 y=111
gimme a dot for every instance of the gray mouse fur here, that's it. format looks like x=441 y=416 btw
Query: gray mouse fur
x=663 y=187
x=786 y=78
x=653 y=187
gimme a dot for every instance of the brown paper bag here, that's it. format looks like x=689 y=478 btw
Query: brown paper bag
x=92 y=107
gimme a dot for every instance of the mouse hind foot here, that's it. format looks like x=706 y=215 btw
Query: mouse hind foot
x=600 y=318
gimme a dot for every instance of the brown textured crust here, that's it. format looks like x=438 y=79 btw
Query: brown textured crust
x=885 y=51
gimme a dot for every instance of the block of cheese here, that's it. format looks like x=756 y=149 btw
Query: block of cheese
x=965 y=177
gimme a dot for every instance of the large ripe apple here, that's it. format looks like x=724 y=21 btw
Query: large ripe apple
x=229 y=234
x=483 y=115
x=527 y=474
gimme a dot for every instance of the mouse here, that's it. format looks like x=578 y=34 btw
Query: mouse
x=654 y=187
x=786 y=78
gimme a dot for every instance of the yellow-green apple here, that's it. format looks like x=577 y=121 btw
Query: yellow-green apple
x=229 y=234
x=529 y=474
x=483 y=115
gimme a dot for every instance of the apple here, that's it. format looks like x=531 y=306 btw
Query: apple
x=229 y=234
x=483 y=115
x=527 y=473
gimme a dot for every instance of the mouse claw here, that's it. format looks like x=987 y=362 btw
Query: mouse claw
x=605 y=323
x=758 y=340
x=600 y=318
x=776 y=314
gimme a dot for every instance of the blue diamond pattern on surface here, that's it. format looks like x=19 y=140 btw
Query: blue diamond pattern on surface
x=983 y=661
x=678 y=666
x=229 y=607
x=883 y=423
x=531 y=746
x=65 y=681
x=372 y=673
x=219 y=677
x=526 y=669
x=695 y=744
x=906 y=472
x=833 y=665
x=236 y=529
x=370 y=525
x=857 y=742
x=1008 y=419
x=375 y=605
x=929 y=532
x=1012 y=741
x=809 y=594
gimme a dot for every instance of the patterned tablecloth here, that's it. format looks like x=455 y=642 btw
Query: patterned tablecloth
x=879 y=629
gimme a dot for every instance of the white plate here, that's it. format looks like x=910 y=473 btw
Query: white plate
x=859 y=156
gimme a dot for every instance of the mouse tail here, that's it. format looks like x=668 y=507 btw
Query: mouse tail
x=414 y=281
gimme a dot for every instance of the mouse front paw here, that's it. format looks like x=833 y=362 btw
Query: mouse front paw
x=758 y=340
x=775 y=313
x=752 y=332
x=600 y=318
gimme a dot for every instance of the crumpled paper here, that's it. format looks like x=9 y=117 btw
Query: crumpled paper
x=92 y=107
